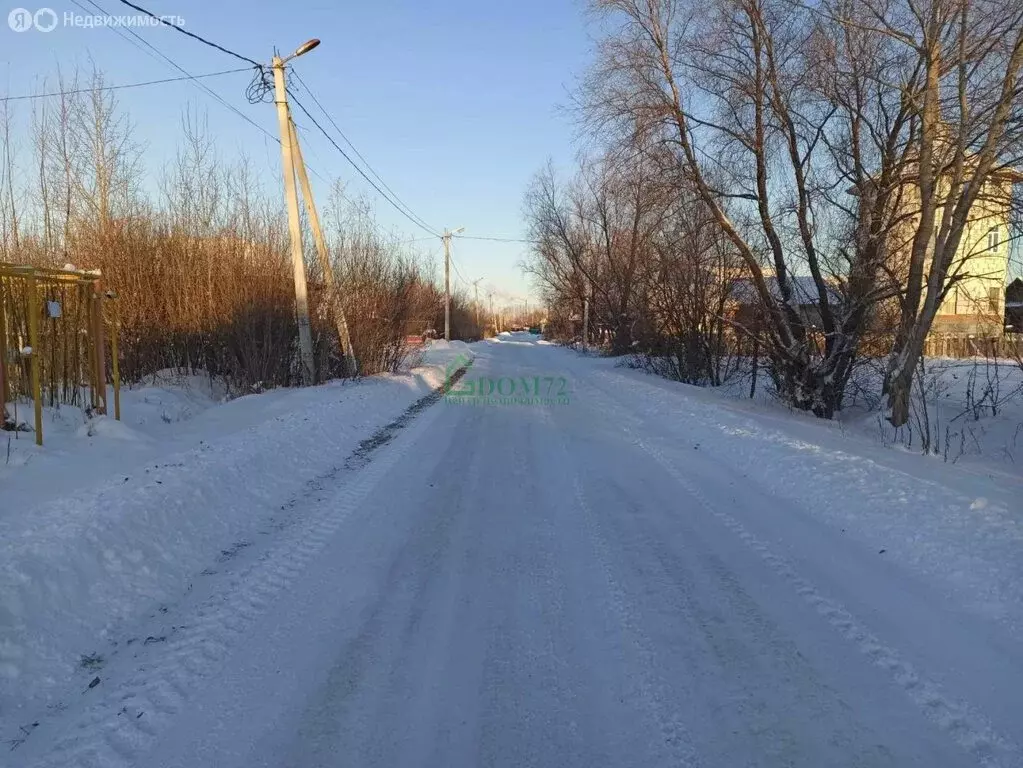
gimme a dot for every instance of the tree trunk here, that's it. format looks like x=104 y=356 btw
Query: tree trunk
x=898 y=389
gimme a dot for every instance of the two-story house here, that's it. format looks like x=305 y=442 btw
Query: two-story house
x=974 y=302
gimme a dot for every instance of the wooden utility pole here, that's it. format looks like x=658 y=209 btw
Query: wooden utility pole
x=343 y=337
x=305 y=336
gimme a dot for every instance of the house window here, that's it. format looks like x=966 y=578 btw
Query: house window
x=992 y=239
x=993 y=299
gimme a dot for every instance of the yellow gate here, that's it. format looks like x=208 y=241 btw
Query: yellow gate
x=53 y=339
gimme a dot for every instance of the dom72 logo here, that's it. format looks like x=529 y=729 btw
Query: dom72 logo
x=511 y=386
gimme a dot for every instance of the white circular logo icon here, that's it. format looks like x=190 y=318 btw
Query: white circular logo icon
x=20 y=19
x=45 y=19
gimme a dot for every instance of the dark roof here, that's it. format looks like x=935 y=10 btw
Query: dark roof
x=803 y=287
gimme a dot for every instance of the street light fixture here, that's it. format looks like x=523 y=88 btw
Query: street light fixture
x=302 y=49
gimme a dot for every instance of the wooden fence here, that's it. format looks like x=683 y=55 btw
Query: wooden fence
x=958 y=346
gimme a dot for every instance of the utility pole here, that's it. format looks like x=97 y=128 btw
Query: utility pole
x=493 y=317
x=305 y=336
x=446 y=237
x=343 y=337
x=447 y=286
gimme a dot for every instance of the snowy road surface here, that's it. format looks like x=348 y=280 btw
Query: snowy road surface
x=635 y=578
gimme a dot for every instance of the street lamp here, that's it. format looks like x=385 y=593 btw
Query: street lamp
x=302 y=49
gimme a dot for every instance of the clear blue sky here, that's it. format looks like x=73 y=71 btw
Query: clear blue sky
x=455 y=103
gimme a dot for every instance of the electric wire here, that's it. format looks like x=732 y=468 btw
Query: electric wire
x=356 y=166
x=258 y=91
x=124 y=85
x=149 y=49
x=181 y=69
x=358 y=154
x=192 y=35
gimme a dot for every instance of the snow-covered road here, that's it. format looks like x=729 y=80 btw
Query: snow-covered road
x=635 y=578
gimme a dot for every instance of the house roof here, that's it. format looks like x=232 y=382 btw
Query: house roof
x=803 y=287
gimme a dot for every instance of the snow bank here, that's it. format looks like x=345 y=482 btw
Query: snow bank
x=967 y=412
x=961 y=525
x=166 y=495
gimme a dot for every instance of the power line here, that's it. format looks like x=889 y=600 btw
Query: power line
x=183 y=31
x=150 y=49
x=355 y=165
x=497 y=239
x=178 y=67
x=457 y=271
x=126 y=85
x=396 y=202
x=358 y=154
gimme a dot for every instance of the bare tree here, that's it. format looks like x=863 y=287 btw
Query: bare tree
x=733 y=89
x=842 y=148
x=594 y=236
x=963 y=86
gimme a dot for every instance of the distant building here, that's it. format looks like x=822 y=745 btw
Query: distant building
x=745 y=305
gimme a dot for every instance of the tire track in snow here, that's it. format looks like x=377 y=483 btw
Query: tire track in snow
x=960 y=720
x=676 y=747
x=125 y=722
